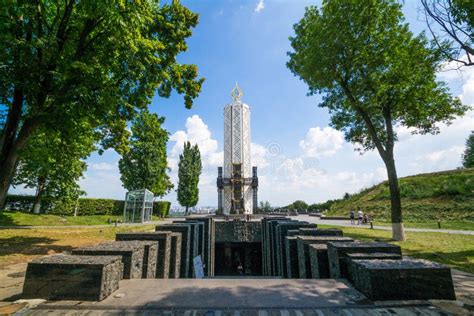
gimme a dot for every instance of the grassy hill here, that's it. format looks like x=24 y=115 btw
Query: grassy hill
x=447 y=195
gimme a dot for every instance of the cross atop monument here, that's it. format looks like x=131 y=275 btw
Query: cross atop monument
x=236 y=93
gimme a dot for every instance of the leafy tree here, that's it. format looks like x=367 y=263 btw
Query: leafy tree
x=321 y=206
x=468 y=156
x=93 y=61
x=144 y=165
x=346 y=196
x=53 y=163
x=455 y=19
x=265 y=206
x=189 y=170
x=298 y=205
x=376 y=76
x=313 y=208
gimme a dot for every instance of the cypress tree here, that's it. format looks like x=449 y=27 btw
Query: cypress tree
x=190 y=168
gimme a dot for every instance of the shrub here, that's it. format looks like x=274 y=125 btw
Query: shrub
x=85 y=206
x=161 y=208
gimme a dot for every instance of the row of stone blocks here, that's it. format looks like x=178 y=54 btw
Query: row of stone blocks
x=93 y=273
x=295 y=249
x=376 y=269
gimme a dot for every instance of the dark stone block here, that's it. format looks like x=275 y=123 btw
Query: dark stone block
x=281 y=232
x=320 y=232
x=185 y=231
x=407 y=279
x=200 y=239
x=163 y=239
x=271 y=242
x=208 y=244
x=303 y=242
x=66 y=277
x=367 y=256
x=193 y=243
x=337 y=254
x=268 y=243
x=292 y=233
x=318 y=257
x=175 y=255
x=292 y=270
x=132 y=255
x=238 y=231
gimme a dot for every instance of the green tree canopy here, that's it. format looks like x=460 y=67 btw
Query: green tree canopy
x=298 y=205
x=144 y=165
x=375 y=76
x=189 y=170
x=52 y=162
x=97 y=61
x=468 y=155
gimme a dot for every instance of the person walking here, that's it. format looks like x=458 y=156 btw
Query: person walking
x=352 y=216
x=360 y=216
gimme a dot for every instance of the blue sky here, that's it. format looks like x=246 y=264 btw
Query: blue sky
x=298 y=155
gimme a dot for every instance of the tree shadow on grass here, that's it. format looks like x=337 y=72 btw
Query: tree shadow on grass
x=30 y=246
x=6 y=219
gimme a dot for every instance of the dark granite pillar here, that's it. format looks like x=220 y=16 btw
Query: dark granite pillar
x=163 y=239
x=132 y=255
x=337 y=254
x=303 y=243
x=281 y=232
x=185 y=231
x=209 y=240
x=175 y=255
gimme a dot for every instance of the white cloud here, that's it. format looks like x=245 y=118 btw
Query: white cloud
x=453 y=152
x=260 y=6
x=321 y=142
x=197 y=133
x=259 y=155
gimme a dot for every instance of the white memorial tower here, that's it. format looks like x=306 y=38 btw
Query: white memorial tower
x=237 y=185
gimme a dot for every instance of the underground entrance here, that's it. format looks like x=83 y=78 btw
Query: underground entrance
x=238 y=259
x=238 y=248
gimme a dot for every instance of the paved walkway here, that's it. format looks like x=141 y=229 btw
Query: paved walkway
x=238 y=297
x=311 y=219
x=346 y=223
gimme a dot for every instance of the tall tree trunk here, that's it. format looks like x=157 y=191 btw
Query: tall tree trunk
x=10 y=155
x=39 y=195
x=398 y=232
x=186 y=211
x=7 y=169
x=7 y=155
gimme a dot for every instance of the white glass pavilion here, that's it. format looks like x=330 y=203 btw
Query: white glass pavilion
x=138 y=206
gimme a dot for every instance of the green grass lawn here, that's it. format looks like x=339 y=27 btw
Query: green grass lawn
x=456 y=251
x=20 y=245
x=455 y=225
x=29 y=219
